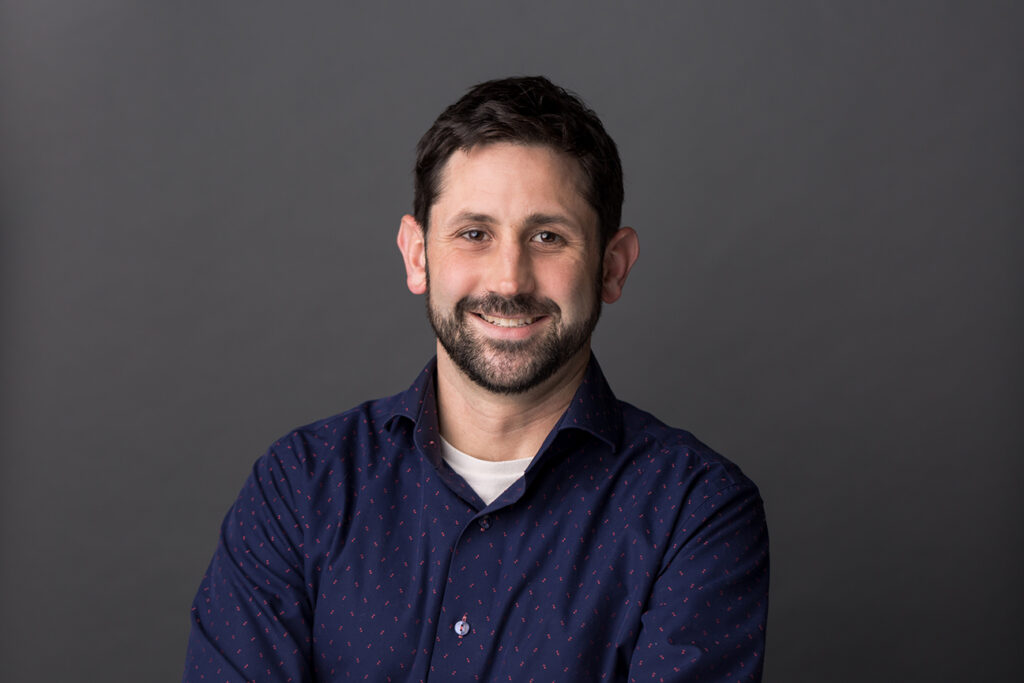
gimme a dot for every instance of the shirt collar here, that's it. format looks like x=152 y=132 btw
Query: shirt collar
x=594 y=408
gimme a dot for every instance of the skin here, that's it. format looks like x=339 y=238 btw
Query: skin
x=510 y=221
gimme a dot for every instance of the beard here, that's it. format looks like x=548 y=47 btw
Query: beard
x=505 y=366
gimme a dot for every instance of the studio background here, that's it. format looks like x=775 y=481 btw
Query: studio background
x=199 y=203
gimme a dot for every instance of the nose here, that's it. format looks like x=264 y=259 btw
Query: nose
x=511 y=270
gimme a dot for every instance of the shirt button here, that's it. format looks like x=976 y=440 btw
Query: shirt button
x=461 y=627
x=485 y=523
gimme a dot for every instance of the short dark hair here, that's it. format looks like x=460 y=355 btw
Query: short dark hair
x=531 y=111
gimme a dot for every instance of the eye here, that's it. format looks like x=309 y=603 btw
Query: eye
x=473 y=235
x=547 y=237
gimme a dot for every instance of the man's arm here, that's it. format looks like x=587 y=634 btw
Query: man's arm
x=705 y=619
x=251 y=617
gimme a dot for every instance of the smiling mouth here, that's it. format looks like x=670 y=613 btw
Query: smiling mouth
x=508 y=322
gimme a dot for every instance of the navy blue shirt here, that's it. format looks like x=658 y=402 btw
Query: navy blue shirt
x=628 y=551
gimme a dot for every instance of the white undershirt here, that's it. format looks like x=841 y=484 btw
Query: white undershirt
x=488 y=478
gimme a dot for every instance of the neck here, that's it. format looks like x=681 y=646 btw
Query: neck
x=494 y=426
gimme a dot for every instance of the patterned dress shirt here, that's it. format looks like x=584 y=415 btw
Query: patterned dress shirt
x=628 y=551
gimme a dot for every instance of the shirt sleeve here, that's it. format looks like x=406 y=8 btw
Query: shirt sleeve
x=251 y=617
x=705 y=619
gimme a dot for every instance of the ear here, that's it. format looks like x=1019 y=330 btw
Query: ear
x=412 y=244
x=619 y=256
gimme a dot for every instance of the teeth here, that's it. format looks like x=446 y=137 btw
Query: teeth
x=507 y=322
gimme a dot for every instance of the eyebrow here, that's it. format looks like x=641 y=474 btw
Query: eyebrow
x=533 y=220
x=470 y=217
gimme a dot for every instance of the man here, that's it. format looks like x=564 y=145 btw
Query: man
x=505 y=518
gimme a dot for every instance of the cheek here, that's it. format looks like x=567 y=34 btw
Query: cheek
x=574 y=286
x=450 y=279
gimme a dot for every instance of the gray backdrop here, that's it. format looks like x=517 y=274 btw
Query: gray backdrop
x=199 y=202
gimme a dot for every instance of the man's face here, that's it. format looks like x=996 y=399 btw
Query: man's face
x=513 y=265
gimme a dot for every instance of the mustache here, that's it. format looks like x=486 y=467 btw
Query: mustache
x=520 y=305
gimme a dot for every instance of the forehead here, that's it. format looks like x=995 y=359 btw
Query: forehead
x=508 y=179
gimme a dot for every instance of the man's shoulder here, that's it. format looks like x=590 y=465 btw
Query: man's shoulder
x=372 y=415
x=353 y=432
x=648 y=437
